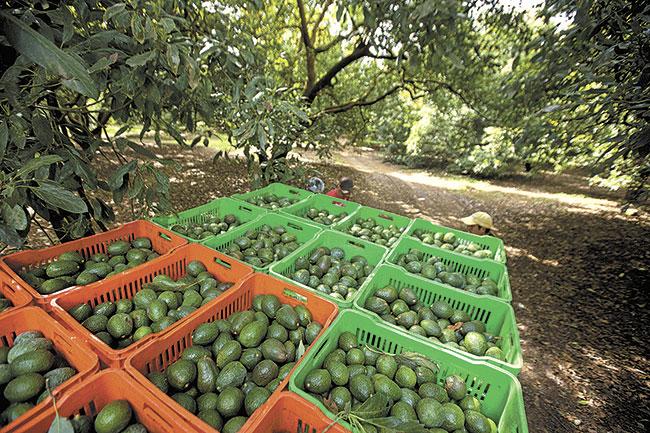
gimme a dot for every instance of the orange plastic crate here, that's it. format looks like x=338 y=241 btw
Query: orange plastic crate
x=18 y=296
x=160 y=353
x=162 y=241
x=126 y=285
x=89 y=397
x=288 y=412
x=77 y=355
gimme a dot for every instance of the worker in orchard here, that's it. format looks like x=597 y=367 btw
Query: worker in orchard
x=479 y=223
x=343 y=190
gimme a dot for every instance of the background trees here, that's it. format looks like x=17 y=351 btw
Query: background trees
x=468 y=86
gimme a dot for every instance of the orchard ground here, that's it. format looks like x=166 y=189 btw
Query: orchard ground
x=578 y=268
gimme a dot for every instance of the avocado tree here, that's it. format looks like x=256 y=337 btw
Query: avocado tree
x=67 y=68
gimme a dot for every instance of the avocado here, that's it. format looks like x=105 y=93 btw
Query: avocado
x=52 y=286
x=230 y=351
x=382 y=384
x=318 y=381
x=347 y=341
x=118 y=248
x=250 y=358
x=255 y=398
x=233 y=425
x=361 y=387
x=38 y=361
x=120 y=325
x=312 y=331
x=22 y=346
x=452 y=416
x=287 y=317
x=403 y=411
x=475 y=343
x=159 y=380
x=386 y=365
x=212 y=418
x=206 y=374
x=252 y=334
x=14 y=411
x=230 y=401
x=341 y=396
x=455 y=387
x=265 y=372
x=405 y=377
x=186 y=401
x=232 y=374
x=61 y=268
x=181 y=374
x=113 y=417
x=205 y=334
x=24 y=387
x=274 y=350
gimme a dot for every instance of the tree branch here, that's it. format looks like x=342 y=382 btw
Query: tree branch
x=360 y=51
x=338 y=39
x=314 y=30
x=309 y=48
x=359 y=102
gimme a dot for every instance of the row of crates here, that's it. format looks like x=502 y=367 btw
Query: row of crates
x=492 y=381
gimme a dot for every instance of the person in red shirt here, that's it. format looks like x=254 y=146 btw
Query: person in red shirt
x=343 y=190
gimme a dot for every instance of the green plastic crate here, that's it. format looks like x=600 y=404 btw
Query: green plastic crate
x=304 y=233
x=498 y=316
x=245 y=212
x=491 y=243
x=279 y=189
x=382 y=218
x=498 y=391
x=332 y=205
x=349 y=244
x=460 y=263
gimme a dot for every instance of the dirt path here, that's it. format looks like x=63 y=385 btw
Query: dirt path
x=578 y=269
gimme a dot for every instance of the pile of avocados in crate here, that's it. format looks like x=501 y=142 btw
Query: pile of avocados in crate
x=262 y=312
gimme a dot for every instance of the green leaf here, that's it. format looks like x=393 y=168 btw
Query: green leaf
x=14 y=216
x=113 y=11
x=173 y=58
x=116 y=181
x=376 y=406
x=9 y=236
x=4 y=138
x=142 y=150
x=261 y=137
x=413 y=360
x=43 y=52
x=137 y=28
x=61 y=425
x=60 y=198
x=395 y=424
x=300 y=350
x=140 y=59
x=42 y=129
x=36 y=163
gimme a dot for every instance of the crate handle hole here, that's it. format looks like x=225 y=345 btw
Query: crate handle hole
x=291 y=294
x=223 y=263
x=164 y=236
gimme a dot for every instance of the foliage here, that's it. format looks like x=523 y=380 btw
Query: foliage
x=68 y=69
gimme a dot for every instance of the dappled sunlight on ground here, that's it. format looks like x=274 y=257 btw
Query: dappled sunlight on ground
x=370 y=163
